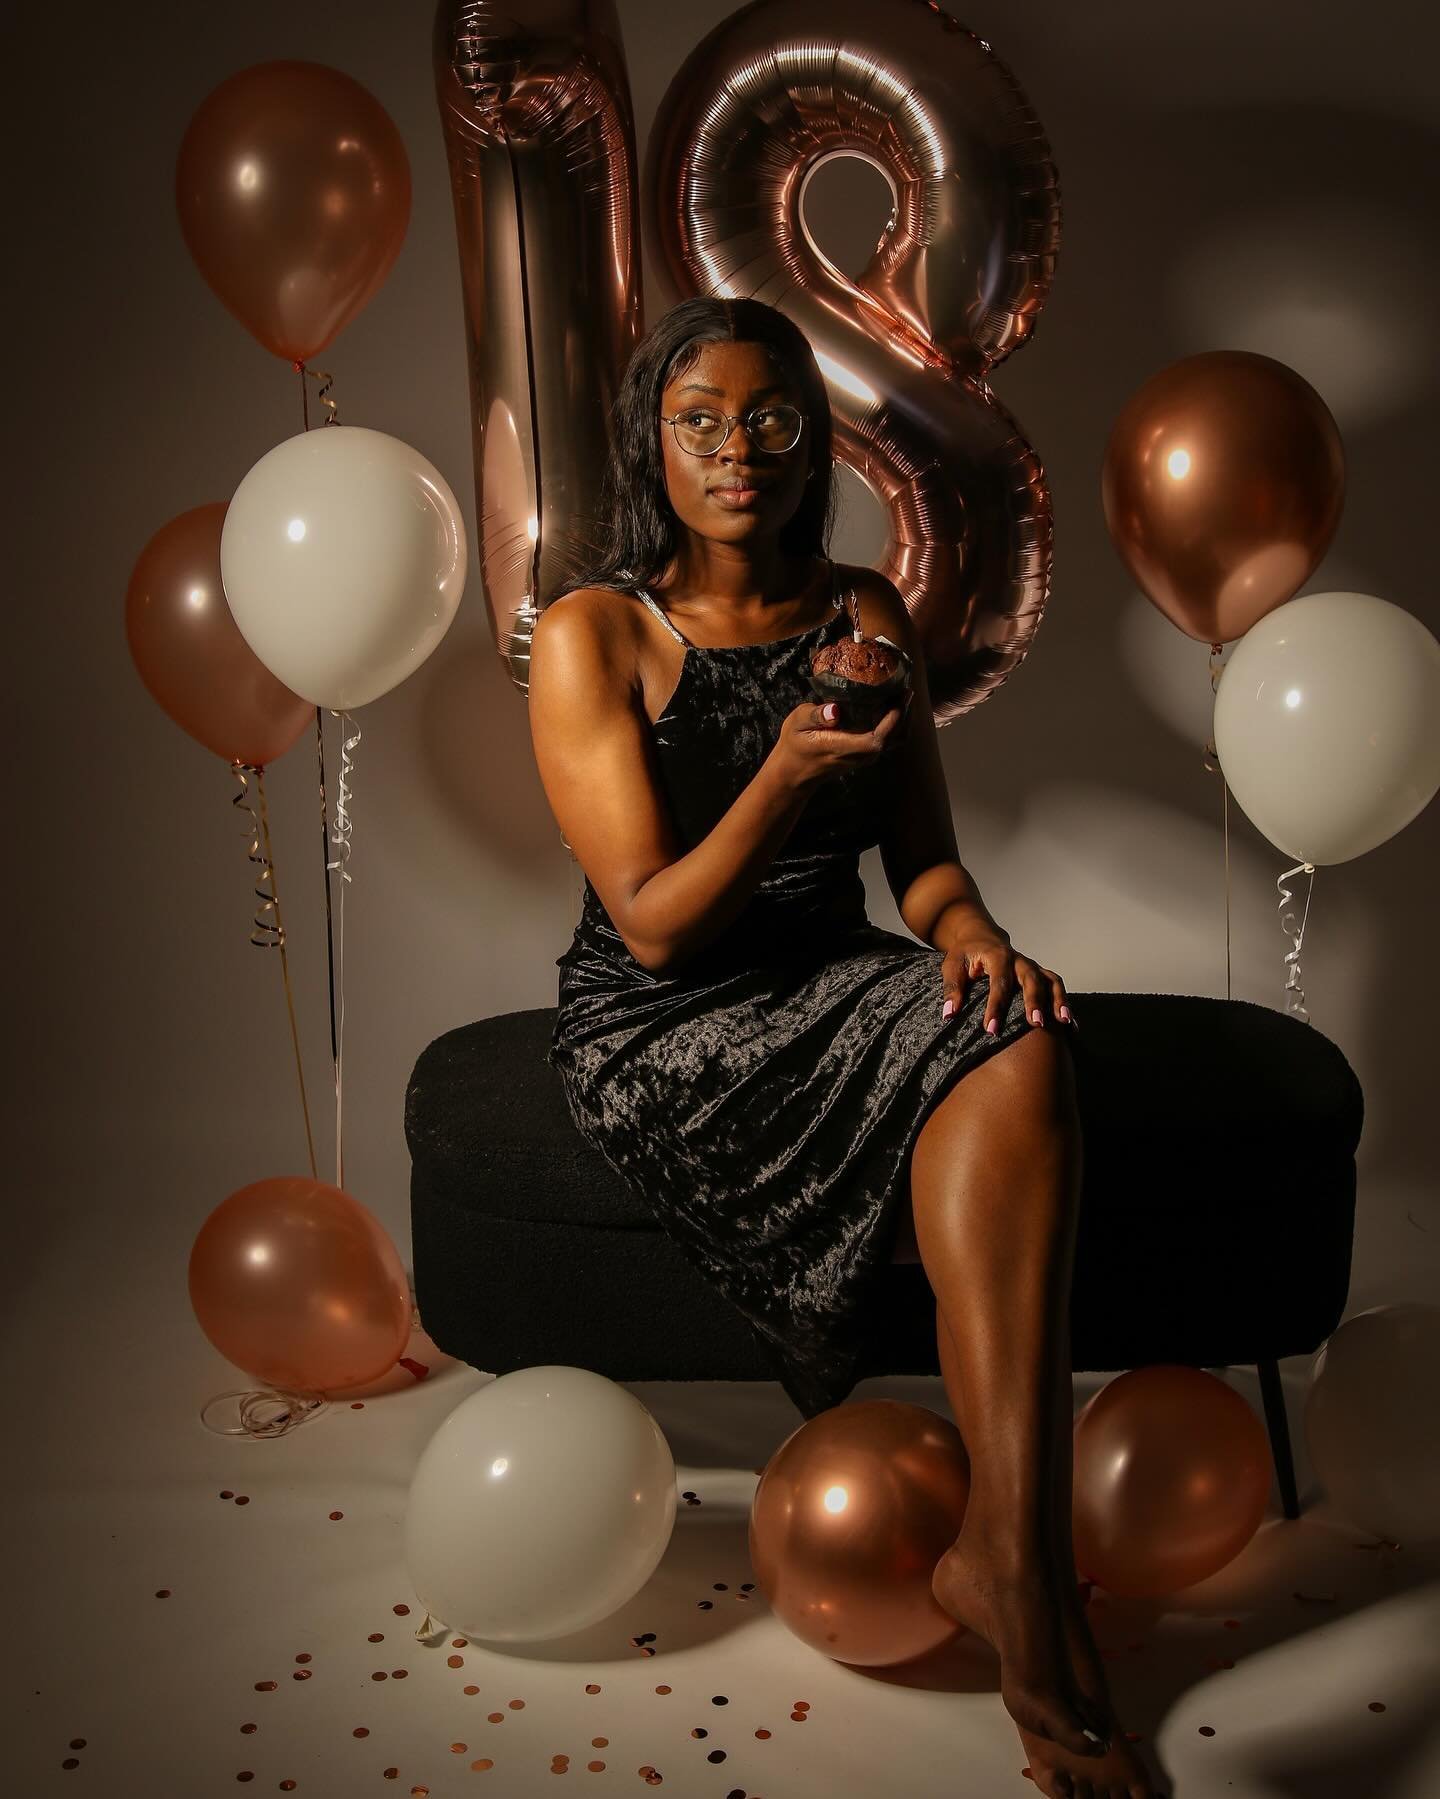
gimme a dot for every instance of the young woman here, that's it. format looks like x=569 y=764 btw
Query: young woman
x=799 y=1095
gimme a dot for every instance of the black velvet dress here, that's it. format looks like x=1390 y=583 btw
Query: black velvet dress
x=763 y=1100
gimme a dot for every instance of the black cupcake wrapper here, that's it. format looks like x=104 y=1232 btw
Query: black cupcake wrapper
x=864 y=703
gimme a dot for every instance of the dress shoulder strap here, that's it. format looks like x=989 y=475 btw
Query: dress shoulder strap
x=664 y=620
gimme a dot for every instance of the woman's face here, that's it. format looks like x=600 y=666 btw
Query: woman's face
x=732 y=378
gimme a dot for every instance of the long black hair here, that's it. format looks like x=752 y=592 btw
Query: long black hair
x=639 y=529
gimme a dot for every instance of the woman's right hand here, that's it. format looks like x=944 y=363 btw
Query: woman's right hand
x=813 y=747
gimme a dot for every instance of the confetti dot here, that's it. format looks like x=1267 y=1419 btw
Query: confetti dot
x=398 y=1673
x=802 y=1705
x=392 y=1773
x=688 y=1494
x=599 y=1742
x=287 y=1786
x=379 y=1674
x=336 y=1515
x=592 y=1689
x=517 y=1705
x=244 y=1499
x=470 y=1691
x=483 y=1766
x=797 y=1718
x=401 y=1611
x=699 y=1731
x=719 y=1699
x=1377 y=1705
x=162 y=1593
x=596 y=1767
x=357 y=1405
x=360 y=1731
x=705 y=1605
x=265 y=1686
x=303 y=1657
x=720 y=1587
x=301 y=1674
x=454 y=1661
x=376 y=1636
x=226 y=1493
x=458 y=1748
x=662 y=1689
x=1207 y=1730
x=496 y=1718
x=248 y=1729
x=71 y=1761
x=246 y=1775
x=747 y=1586
x=716 y=1755
x=762 y=1734
x=460 y=1643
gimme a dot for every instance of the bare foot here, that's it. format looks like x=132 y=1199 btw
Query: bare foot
x=1051 y=1679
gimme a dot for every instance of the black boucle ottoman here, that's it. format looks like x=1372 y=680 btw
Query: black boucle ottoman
x=1217 y=1210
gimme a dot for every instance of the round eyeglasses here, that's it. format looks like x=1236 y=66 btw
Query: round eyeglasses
x=699 y=431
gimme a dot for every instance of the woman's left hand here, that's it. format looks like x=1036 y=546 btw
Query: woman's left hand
x=983 y=950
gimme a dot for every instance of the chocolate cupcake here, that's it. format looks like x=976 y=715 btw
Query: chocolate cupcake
x=865 y=679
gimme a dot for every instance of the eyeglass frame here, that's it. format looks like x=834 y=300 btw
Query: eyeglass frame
x=732 y=419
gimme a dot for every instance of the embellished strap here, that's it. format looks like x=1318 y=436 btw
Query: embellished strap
x=663 y=619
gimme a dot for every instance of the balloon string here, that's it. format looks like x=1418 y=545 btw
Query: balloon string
x=1211 y=763
x=340 y=838
x=325 y=381
x=295 y=1409
x=1295 y=1005
x=265 y=933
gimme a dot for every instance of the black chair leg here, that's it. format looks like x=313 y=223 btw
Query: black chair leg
x=1279 y=1427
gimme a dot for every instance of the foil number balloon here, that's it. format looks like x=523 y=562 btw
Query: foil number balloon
x=955 y=283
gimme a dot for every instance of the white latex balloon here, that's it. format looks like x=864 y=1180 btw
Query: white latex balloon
x=1372 y=1423
x=543 y=1502
x=1327 y=724
x=343 y=559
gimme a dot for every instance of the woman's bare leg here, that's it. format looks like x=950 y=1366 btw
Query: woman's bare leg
x=995 y=1179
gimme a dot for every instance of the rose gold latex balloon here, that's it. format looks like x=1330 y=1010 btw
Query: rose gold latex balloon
x=851 y=1516
x=1172 y=1479
x=955 y=284
x=540 y=136
x=298 y=1284
x=189 y=651
x=293 y=189
x=1223 y=482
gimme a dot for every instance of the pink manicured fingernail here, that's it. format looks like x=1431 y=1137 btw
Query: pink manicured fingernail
x=993 y=1026
x=947 y=1008
x=1065 y=1013
x=1035 y=1017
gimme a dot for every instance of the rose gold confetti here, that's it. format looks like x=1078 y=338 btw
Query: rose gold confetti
x=662 y=1689
x=595 y=1767
x=392 y=1773
x=762 y=1734
x=401 y=1611
x=287 y=1786
x=162 y=1592
x=454 y=1661
x=599 y=1742
x=797 y=1717
x=77 y=1742
x=719 y=1699
x=376 y=1636
x=716 y=1755
x=244 y=1499
x=303 y=1657
x=265 y=1686
x=517 y=1705
x=458 y=1748
x=705 y=1605
x=699 y=1731
x=1377 y=1705
x=470 y=1691
x=1207 y=1730
x=71 y=1761
x=301 y=1674
x=226 y=1493
x=460 y=1643
x=720 y=1587
x=419 y=1793
x=336 y=1515
x=379 y=1674
x=483 y=1766
x=496 y=1718
x=360 y=1731
x=559 y=1764
x=357 y=1405
x=418 y=1369
x=248 y=1729
x=399 y=1673
x=592 y=1689
x=802 y=1705
x=689 y=1493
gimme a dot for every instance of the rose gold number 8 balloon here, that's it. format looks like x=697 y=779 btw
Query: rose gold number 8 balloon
x=955 y=283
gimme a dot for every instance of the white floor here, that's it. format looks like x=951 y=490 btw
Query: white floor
x=114 y=1493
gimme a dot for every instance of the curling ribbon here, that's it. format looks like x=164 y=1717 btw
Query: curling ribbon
x=326 y=382
x=1211 y=763
x=1295 y=1004
x=295 y=1409
x=266 y=933
x=340 y=838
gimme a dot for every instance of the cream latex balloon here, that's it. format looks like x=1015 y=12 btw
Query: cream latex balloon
x=542 y=1503
x=1327 y=724
x=343 y=559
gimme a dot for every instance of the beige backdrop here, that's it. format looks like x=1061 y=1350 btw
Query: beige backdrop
x=1231 y=177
